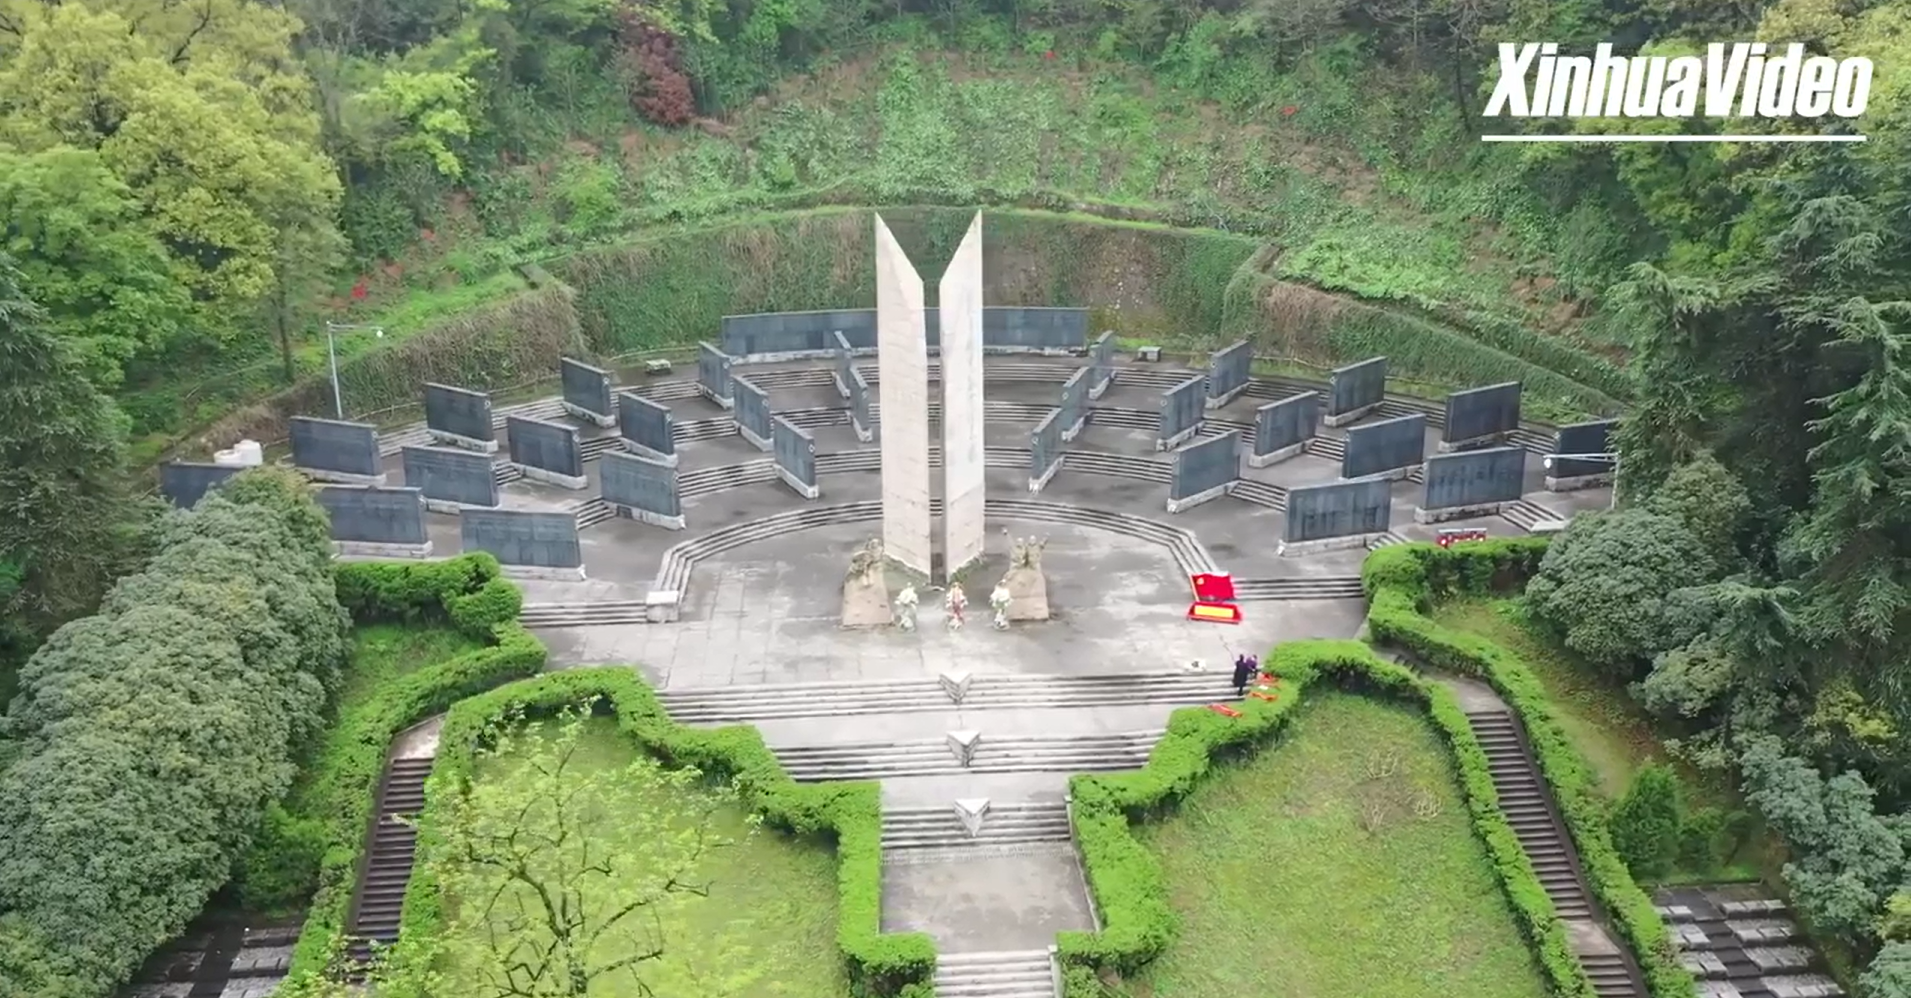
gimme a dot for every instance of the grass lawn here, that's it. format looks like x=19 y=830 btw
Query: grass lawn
x=384 y=652
x=1339 y=864
x=767 y=928
x=1598 y=715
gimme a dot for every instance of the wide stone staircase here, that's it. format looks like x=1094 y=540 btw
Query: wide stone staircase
x=1014 y=974
x=388 y=861
x=1003 y=824
x=744 y=704
x=1532 y=517
x=984 y=754
x=1526 y=801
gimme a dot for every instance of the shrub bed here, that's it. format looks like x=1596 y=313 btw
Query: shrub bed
x=1401 y=581
x=850 y=814
x=152 y=736
x=1127 y=881
x=333 y=805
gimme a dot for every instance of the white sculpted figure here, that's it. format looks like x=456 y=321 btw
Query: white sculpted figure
x=906 y=608
x=999 y=602
x=955 y=603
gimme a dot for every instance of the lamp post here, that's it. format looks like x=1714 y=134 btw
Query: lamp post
x=331 y=353
x=1609 y=458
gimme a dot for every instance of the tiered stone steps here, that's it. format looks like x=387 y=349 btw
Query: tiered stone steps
x=388 y=860
x=1299 y=587
x=1004 y=824
x=998 y=754
x=746 y=704
x=1524 y=799
x=678 y=562
x=1251 y=491
x=1145 y=469
x=1021 y=974
x=1736 y=943
x=1531 y=517
x=1527 y=803
x=1387 y=539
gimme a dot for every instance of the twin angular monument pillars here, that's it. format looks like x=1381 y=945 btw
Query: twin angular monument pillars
x=902 y=363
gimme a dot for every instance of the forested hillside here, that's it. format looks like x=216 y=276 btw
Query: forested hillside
x=191 y=189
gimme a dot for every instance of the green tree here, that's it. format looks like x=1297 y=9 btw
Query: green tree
x=200 y=110
x=88 y=258
x=1618 y=586
x=1889 y=973
x=1646 y=823
x=67 y=523
x=1705 y=496
x=150 y=737
x=558 y=888
x=1846 y=860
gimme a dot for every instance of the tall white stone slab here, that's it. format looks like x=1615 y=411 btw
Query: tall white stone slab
x=902 y=361
x=962 y=464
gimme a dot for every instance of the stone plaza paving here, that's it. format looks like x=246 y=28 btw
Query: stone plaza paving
x=757 y=640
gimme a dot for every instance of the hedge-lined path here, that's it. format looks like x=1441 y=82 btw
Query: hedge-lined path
x=392 y=848
x=1527 y=801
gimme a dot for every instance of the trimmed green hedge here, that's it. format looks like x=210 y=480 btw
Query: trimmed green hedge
x=1401 y=582
x=469 y=593
x=899 y=964
x=1127 y=881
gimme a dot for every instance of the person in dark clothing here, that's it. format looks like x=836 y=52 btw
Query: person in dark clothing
x=1243 y=671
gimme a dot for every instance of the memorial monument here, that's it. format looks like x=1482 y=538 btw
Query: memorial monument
x=902 y=363
x=963 y=484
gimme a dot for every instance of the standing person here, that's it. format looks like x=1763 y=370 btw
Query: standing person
x=1243 y=670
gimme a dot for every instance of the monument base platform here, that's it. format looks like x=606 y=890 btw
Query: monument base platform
x=1170 y=443
x=1577 y=482
x=1350 y=416
x=543 y=573
x=1421 y=515
x=363 y=549
x=1476 y=443
x=1391 y=475
x=343 y=477
x=1209 y=495
x=1277 y=455
x=760 y=443
x=667 y=460
x=722 y=400
x=1224 y=398
x=1300 y=549
x=1037 y=483
x=1028 y=594
x=462 y=442
x=573 y=482
x=448 y=507
x=797 y=485
x=584 y=415
x=660 y=607
x=646 y=516
x=866 y=605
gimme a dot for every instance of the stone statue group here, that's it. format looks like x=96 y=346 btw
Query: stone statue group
x=954 y=603
x=866 y=567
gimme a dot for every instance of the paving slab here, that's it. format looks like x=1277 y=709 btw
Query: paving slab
x=982 y=899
